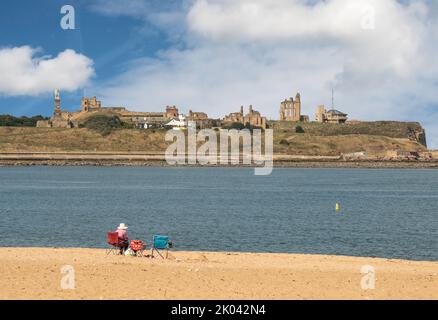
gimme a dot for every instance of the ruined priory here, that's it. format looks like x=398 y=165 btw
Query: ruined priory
x=290 y=111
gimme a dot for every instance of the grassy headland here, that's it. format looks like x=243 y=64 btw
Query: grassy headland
x=310 y=139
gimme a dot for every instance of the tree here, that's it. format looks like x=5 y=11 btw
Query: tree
x=7 y=120
x=299 y=129
x=235 y=125
x=104 y=124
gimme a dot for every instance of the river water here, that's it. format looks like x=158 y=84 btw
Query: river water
x=384 y=213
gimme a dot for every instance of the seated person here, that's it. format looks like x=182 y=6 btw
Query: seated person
x=123 y=237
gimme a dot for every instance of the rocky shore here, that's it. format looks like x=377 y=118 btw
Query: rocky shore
x=365 y=164
x=158 y=160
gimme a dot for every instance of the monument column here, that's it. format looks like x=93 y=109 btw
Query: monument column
x=57 y=103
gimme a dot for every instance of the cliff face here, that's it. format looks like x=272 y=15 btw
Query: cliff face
x=374 y=138
x=418 y=134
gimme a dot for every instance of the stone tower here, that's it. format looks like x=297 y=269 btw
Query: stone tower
x=290 y=110
x=297 y=107
x=91 y=104
x=320 y=113
x=57 y=102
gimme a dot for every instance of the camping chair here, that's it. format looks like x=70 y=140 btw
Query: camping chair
x=137 y=246
x=115 y=242
x=161 y=243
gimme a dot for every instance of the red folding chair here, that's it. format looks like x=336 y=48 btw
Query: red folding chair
x=113 y=241
x=138 y=246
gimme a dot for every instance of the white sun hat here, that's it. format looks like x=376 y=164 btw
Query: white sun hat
x=122 y=226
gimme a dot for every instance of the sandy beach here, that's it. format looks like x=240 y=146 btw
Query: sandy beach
x=35 y=273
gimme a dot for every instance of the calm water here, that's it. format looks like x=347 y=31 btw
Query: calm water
x=385 y=213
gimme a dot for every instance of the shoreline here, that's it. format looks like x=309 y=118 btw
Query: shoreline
x=35 y=273
x=135 y=159
x=285 y=165
x=277 y=164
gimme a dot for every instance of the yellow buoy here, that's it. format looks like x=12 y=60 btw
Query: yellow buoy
x=338 y=207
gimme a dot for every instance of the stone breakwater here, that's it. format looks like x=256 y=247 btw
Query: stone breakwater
x=158 y=160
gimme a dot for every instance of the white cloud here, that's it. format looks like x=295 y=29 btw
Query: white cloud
x=374 y=36
x=24 y=73
x=259 y=52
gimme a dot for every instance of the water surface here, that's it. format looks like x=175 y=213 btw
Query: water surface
x=385 y=213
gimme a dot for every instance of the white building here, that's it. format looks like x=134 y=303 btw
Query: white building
x=181 y=123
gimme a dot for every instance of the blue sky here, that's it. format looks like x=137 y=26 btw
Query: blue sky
x=216 y=55
x=109 y=41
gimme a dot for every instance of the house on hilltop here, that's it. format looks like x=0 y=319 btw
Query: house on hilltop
x=330 y=116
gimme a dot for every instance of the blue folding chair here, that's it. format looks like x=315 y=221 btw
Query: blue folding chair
x=161 y=243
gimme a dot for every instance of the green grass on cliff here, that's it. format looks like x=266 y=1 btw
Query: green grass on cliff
x=375 y=138
x=392 y=129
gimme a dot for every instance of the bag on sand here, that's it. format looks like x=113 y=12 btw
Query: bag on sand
x=129 y=252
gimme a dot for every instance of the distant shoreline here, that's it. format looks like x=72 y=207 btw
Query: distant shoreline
x=277 y=164
x=137 y=159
